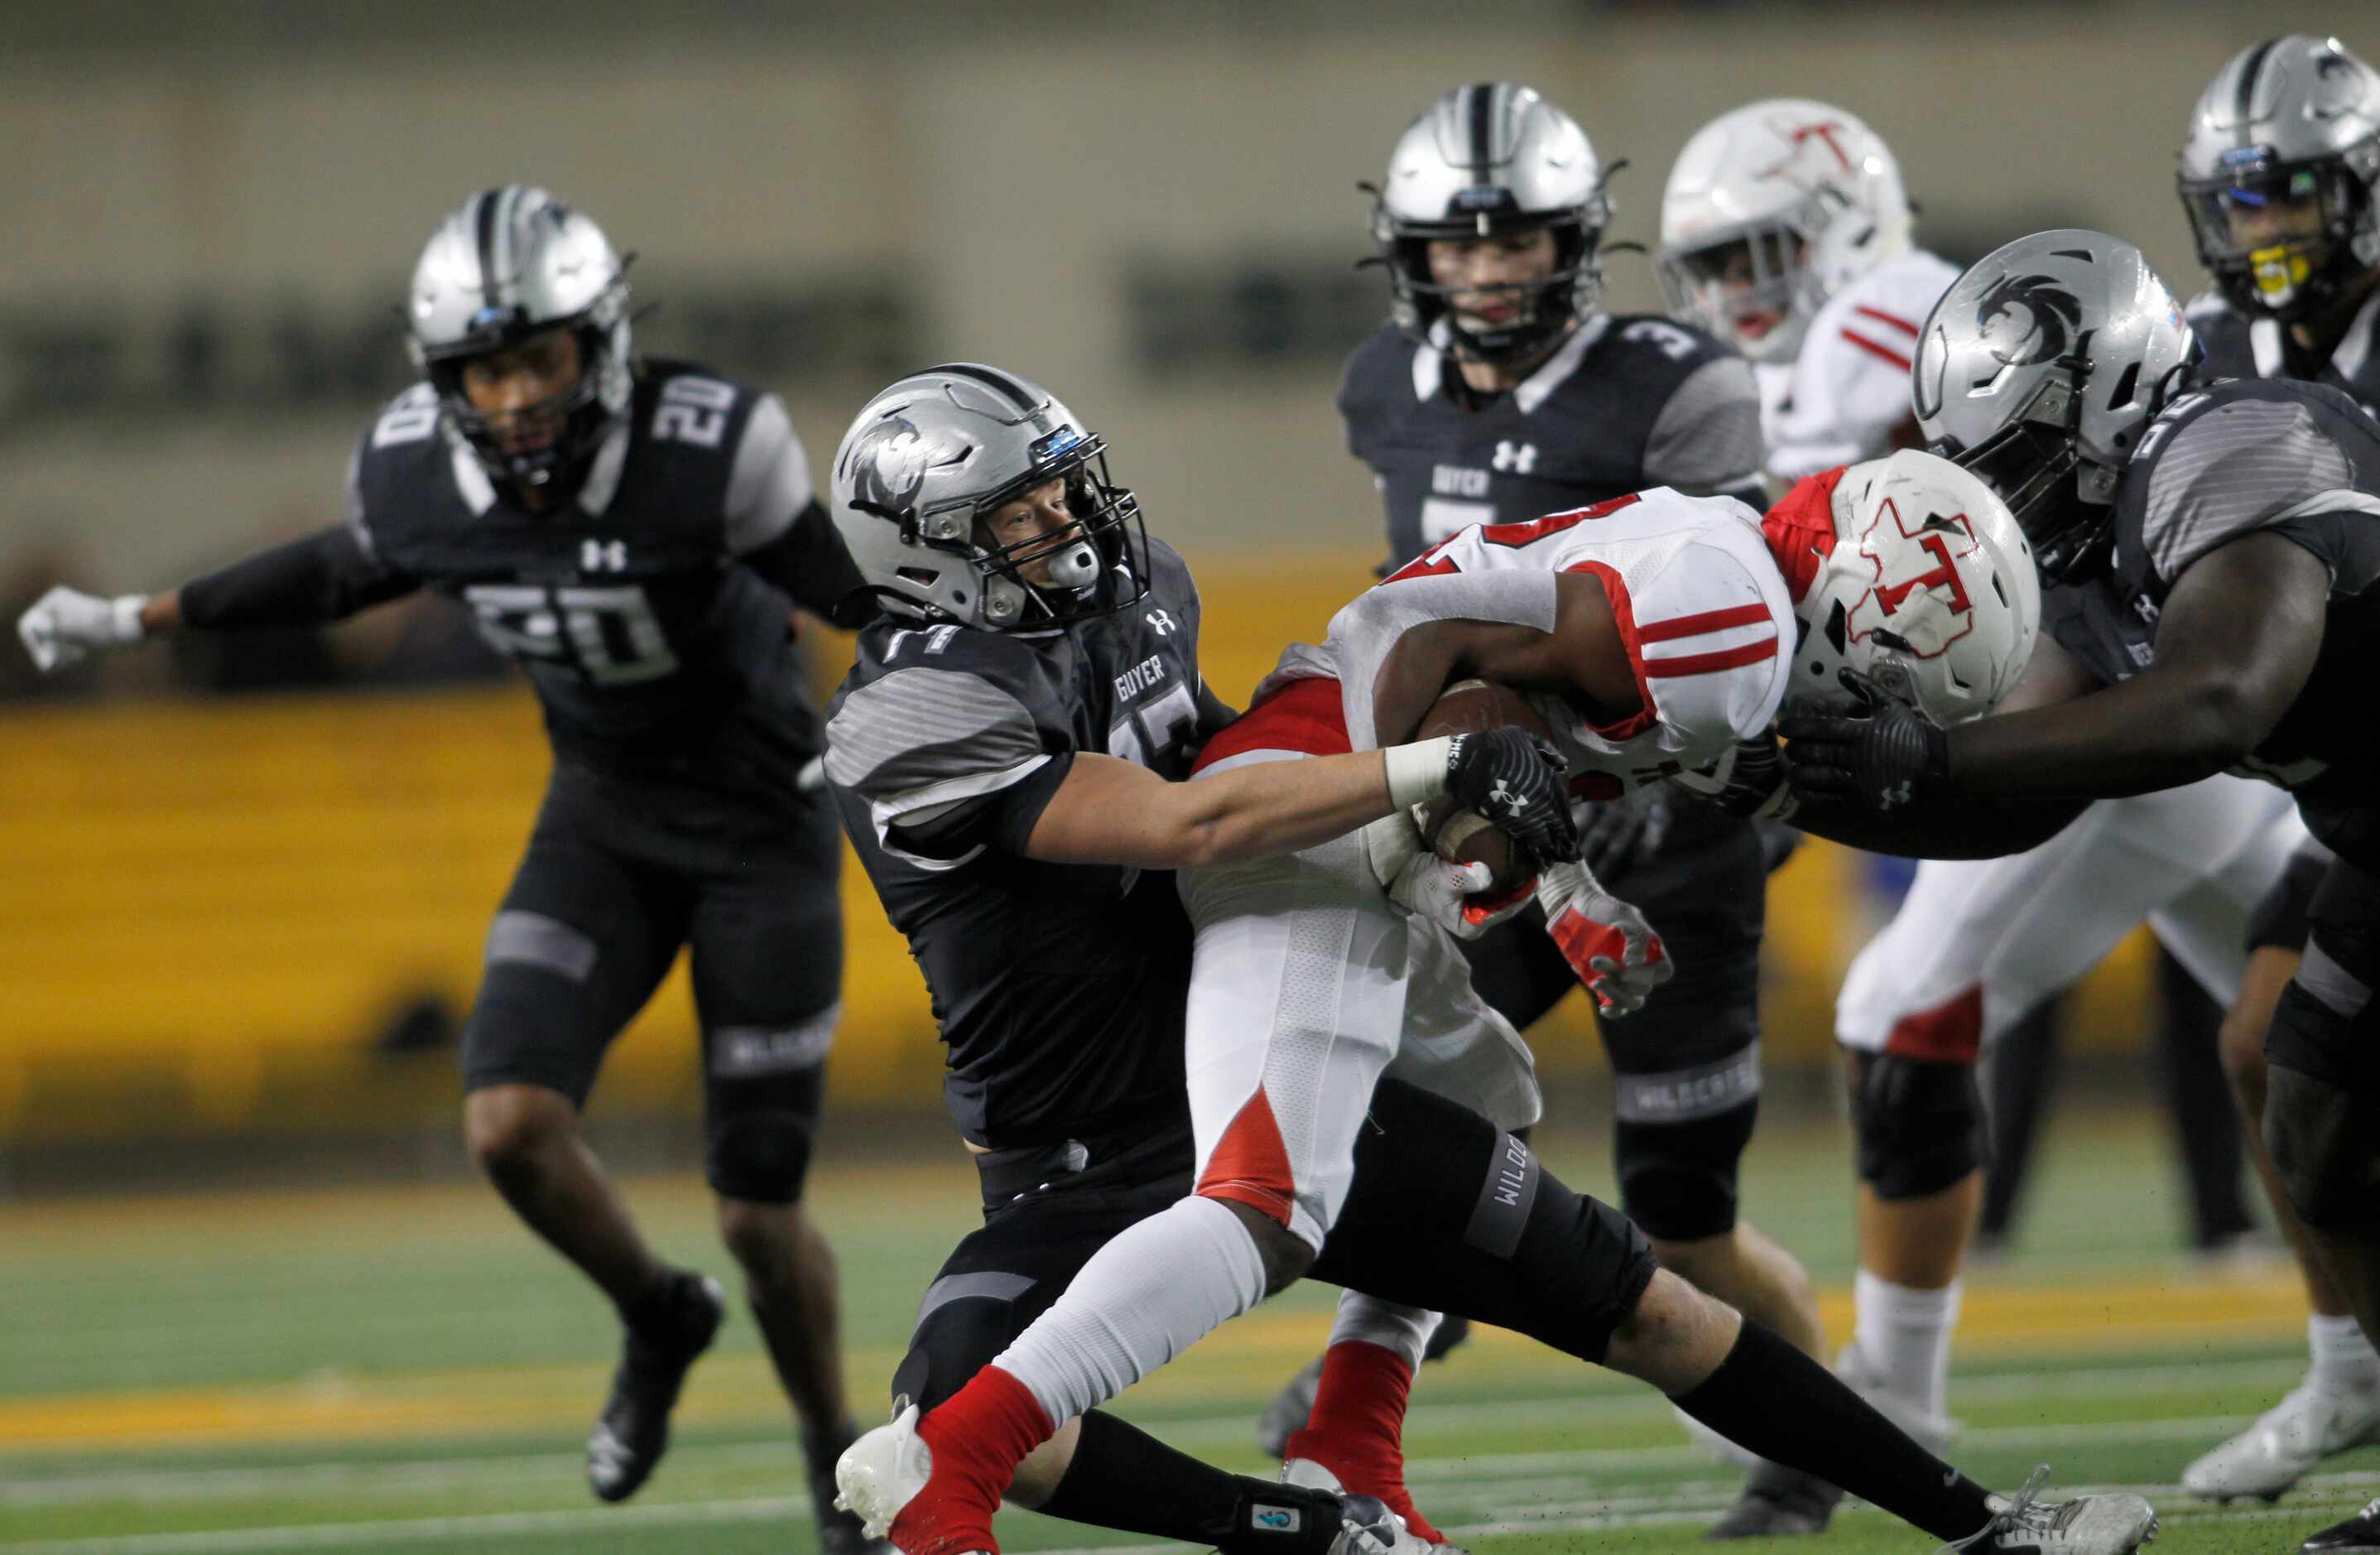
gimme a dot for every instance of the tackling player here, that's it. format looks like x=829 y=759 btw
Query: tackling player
x=964 y=751
x=1500 y=390
x=2211 y=552
x=631 y=531
x=1786 y=227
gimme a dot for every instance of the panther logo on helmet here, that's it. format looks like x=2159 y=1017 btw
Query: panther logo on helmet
x=888 y=467
x=2050 y=315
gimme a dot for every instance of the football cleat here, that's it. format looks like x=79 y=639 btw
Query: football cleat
x=1778 y=1501
x=2359 y=1532
x=840 y=1532
x=1287 y=1414
x=1932 y=1432
x=1394 y=1535
x=882 y=1472
x=2105 y=1524
x=2285 y=1442
x=632 y=1432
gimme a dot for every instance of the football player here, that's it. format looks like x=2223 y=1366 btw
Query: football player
x=2210 y=551
x=965 y=757
x=632 y=531
x=1786 y=228
x=2279 y=170
x=1499 y=390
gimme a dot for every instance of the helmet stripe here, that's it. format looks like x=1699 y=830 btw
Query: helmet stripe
x=483 y=220
x=2251 y=68
x=1015 y=392
x=1479 y=110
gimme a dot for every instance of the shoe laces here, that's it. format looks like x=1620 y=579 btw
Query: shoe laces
x=2023 y=1511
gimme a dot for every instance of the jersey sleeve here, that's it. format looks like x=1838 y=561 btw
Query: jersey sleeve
x=950 y=760
x=769 y=485
x=2252 y=463
x=1367 y=389
x=1706 y=437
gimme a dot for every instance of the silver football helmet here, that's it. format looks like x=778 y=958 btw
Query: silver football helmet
x=926 y=464
x=509 y=263
x=1488 y=159
x=2049 y=359
x=2279 y=172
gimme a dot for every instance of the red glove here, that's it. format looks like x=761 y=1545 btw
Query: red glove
x=1615 y=953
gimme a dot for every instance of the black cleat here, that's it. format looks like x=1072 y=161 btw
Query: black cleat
x=1778 y=1501
x=2359 y=1532
x=633 y=1431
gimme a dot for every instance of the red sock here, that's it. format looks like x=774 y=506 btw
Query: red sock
x=978 y=1438
x=1358 y=1425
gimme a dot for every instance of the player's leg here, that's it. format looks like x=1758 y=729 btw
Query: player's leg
x=1296 y=998
x=767 y=943
x=1453 y=1214
x=583 y=938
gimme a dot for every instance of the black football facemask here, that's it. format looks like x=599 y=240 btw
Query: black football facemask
x=1106 y=519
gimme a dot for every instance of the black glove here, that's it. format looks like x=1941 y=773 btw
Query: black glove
x=1516 y=780
x=1613 y=835
x=1885 y=754
x=1750 y=781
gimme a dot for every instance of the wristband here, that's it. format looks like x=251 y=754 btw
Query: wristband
x=1417 y=771
x=123 y=616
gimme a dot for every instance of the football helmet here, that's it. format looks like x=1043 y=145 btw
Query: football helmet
x=1913 y=571
x=2048 y=360
x=1776 y=206
x=1486 y=158
x=927 y=461
x=509 y=263
x=2279 y=174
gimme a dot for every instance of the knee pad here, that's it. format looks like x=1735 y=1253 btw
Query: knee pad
x=762 y=1154
x=1919 y=1124
x=1678 y=1180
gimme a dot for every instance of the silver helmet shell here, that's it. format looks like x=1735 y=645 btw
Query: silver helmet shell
x=2295 y=122
x=506 y=264
x=1494 y=157
x=927 y=461
x=2049 y=359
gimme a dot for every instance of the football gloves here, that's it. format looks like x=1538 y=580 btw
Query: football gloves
x=1516 y=781
x=1749 y=781
x=1424 y=885
x=1882 y=756
x=1615 y=953
x=67 y=626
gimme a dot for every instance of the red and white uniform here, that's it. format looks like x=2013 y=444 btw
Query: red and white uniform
x=1307 y=984
x=1846 y=391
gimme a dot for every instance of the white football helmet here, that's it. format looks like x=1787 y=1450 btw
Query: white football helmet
x=1776 y=207
x=1915 y=574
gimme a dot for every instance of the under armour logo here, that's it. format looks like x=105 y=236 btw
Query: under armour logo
x=1512 y=801
x=1163 y=623
x=604 y=556
x=2146 y=608
x=1899 y=793
x=1518 y=457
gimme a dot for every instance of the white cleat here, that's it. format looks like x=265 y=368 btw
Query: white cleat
x=2285 y=1444
x=882 y=1472
x=2106 y=1524
x=1365 y=1525
x=1932 y=1432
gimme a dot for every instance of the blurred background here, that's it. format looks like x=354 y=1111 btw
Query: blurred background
x=243 y=885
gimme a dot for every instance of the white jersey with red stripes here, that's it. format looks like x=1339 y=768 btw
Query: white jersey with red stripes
x=1844 y=396
x=1700 y=604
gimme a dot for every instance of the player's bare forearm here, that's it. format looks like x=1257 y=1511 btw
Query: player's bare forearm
x=1581 y=660
x=1960 y=829
x=160 y=614
x=1111 y=811
x=2235 y=643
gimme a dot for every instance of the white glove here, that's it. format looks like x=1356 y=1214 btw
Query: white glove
x=65 y=625
x=1615 y=953
x=1421 y=884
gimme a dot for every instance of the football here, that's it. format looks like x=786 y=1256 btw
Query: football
x=1470 y=707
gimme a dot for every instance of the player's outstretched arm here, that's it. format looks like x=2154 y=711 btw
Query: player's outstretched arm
x=1112 y=811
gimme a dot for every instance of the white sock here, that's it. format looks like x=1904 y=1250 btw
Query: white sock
x=1404 y=1330
x=1904 y=1336
x=1148 y=1295
x=2344 y=1361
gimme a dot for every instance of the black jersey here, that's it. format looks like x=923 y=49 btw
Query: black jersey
x=2242 y=456
x=1058 y=987
x=651 y=610
x=2241 y=348
x=1626 y=404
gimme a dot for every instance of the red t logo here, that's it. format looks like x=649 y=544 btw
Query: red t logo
x=1889 y=595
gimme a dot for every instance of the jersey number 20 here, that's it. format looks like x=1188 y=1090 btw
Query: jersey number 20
x=611 y=635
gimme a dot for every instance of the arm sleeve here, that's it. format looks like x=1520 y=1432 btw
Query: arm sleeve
x=323 y=578
x=774 y=521
x=1706 y=438
x=950 y=761
x=808 y=562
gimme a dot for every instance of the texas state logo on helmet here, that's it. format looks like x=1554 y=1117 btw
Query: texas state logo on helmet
x=1911 y=571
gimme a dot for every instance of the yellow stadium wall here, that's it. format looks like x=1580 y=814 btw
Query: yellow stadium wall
x=207 y=908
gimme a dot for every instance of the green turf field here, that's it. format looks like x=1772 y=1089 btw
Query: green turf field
x=387 y=1370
